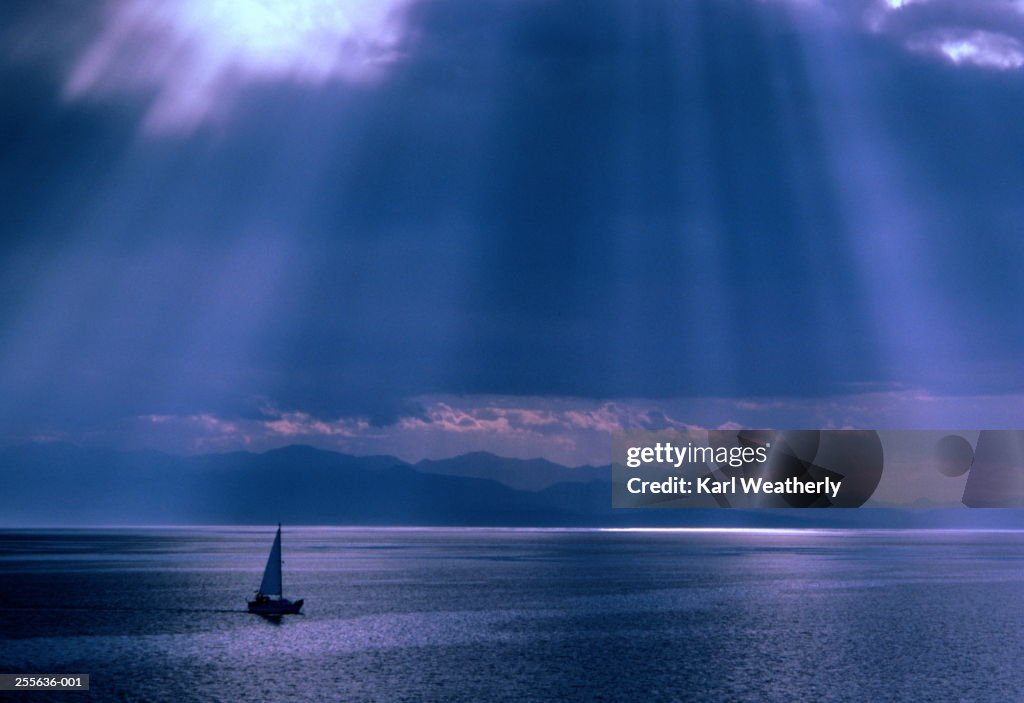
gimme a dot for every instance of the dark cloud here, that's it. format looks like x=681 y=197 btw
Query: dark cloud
x=548 y=199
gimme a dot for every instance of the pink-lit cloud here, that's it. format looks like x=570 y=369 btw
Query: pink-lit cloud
x=570 y=431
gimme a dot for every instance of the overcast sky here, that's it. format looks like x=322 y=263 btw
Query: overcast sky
x=429 y=227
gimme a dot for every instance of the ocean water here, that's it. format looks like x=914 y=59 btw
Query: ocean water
x=513 y=615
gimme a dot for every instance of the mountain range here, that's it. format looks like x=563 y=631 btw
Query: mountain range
x=60 y=484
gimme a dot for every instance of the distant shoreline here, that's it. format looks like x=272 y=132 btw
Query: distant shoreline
x=520 y=529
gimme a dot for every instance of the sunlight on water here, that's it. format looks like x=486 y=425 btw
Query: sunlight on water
x=461 y=614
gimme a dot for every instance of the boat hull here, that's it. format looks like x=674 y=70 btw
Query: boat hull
x=275 y=607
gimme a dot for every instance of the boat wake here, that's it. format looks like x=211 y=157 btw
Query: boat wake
x=105 y=609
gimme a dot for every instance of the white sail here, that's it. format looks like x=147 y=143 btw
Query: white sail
x=271 y=585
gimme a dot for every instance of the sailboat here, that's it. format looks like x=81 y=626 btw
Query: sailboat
x=269 y=600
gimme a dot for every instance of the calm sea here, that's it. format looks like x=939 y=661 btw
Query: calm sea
x=490 y=615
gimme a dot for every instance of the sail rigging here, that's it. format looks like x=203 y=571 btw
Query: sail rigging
x=269 y=600
x=271 y=585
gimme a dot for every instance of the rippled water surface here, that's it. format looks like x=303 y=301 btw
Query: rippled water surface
x=411 y=615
